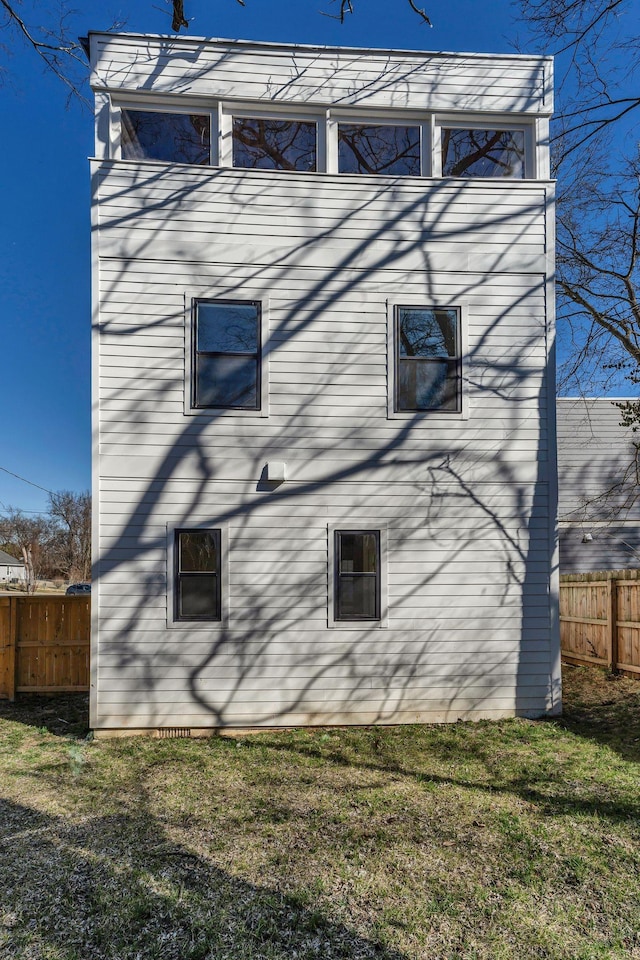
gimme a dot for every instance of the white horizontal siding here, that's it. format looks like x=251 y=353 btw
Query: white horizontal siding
x=171 y=690
x=475 y=467
x=168 y=214
x=471 y=647
x=414 y=713
x=276 y=659
x=178 y=664
x=317 y=75
x=326 y=356
x=151 y=521
x=464 y=501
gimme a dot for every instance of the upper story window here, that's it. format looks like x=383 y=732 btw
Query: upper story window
x=331 y=141
x=273 y=144
x=479 y=152
x=379 y=148
x=173 y=137
x=226 y=358
x=427 y=358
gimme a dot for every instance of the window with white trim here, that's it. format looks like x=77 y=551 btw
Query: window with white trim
x=308 y=138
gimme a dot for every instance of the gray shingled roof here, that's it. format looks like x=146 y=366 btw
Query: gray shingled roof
x=7 y=558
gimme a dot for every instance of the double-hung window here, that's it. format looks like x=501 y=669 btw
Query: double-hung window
x=226 y=354
x=357 y=575
x=197 y=575
x=427 y=346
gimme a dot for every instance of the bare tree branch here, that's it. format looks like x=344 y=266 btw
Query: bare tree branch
x=53 y=46
x=178 y=16
x=599 y=187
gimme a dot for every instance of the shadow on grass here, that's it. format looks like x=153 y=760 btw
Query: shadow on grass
x=64 y=715
x=118 y=887
x=550 y=790
x=598 y=708
x=604 y=708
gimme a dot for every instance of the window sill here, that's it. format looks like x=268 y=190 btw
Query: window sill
x=364 y=626
x=215 y=413
x=210 y=626
x=428 y=417
x=493 y=182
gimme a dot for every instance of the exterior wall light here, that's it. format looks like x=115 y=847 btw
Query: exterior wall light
x=276 y=471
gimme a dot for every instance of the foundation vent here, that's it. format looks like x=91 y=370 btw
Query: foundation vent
x=173 y=733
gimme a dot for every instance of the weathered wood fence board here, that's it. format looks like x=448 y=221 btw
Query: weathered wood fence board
x=44 y=644
x=600 y=619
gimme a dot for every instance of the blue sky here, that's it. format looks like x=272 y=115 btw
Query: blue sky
x=44 y=230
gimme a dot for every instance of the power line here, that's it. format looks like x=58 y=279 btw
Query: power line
x=40 y=513
x=24 y=480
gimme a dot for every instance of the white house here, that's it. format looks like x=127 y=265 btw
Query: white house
x=10 y=568
x=599 y=507
x=324 y=390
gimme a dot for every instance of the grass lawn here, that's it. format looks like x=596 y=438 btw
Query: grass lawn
x=514 y=839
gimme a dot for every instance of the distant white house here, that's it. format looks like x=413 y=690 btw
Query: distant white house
x=324 y=410
x=10 y=568
x=599 y=504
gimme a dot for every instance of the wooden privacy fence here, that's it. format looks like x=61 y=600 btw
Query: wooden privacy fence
x=600 y=619
x=44 y=645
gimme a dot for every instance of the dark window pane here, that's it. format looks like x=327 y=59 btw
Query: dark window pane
x=358 y=553
x=198 y=597
x=274 y=144
x=226 y=381
x=427 y=333
x=174 y=137
x=357 y=598
x=227 y=327
x=378 y=149
x=198 y=552
x=483 y=153
x=427 y=385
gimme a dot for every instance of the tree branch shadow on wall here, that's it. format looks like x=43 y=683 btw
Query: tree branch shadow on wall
x=475 y=541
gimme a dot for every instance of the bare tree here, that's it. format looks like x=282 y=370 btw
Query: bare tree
x=599 y=64
x=343 y=9
x=30 y=537
x=597 y=270
x=595 y=156
x=52 y=41
x=71 y=513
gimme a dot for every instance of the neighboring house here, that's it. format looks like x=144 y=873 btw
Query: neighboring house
x=598 y=482
x=324 y=408
x=10 y=568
